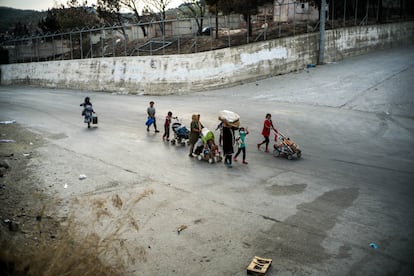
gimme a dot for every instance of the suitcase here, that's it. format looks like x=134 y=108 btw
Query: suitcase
x=94 y=119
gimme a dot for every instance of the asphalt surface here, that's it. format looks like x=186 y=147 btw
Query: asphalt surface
x=319 y=215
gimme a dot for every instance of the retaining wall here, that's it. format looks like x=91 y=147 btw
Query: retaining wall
x=206 y=70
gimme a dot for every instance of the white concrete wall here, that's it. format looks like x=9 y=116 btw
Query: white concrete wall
x=207 y=70
x=345 y=42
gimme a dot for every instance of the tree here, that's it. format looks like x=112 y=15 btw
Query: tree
x=63 y=18
x=245 y=7
x=50 y=22
x=110 y=12
x=115 y=6
x=76 y=17
x=195 y=9
x=20 y=29
x=213 y=8
x=158 y=8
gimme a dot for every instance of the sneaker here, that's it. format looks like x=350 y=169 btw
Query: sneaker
x=190 y=155
x=266 y=150
x=229 y=165
x=245 y=162
x=235 y=159
x=157 y=130
x=147 y=128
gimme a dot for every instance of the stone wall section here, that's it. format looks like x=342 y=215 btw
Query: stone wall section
x=176 y=74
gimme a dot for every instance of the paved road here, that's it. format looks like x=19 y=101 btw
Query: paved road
x=314 y=216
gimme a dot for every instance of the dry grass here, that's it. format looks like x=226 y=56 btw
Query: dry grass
x=92 y=247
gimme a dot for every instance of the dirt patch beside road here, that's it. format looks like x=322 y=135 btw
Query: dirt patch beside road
x=34 y=240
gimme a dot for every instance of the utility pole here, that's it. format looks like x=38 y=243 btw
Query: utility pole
x=322 y=31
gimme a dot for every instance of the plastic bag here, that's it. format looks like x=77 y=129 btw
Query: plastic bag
x=149 y=122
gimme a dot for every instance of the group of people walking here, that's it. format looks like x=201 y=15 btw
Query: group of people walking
x=227 y=135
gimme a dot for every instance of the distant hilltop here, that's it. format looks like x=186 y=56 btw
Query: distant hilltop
x=10 y=17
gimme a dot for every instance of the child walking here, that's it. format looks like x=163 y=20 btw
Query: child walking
x=166 y=136
x=87 y=111
x=242 y=144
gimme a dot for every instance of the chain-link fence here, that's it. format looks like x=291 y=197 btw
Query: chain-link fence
x=191 y=35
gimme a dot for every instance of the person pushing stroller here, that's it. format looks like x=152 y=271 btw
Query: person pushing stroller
x=206 y=148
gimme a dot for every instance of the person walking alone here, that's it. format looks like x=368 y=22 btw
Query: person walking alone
x=87 y=111
x=151 y=115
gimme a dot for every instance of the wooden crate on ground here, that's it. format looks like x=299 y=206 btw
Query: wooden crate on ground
x=259 y=266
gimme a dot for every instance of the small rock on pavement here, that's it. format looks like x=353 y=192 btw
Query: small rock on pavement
x=181 y=228
x=82 y=176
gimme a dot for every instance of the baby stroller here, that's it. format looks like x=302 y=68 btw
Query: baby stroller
x=206 y=149
x=286 y=148
x=181 y=133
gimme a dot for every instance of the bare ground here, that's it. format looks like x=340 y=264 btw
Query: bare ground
x=34 y=239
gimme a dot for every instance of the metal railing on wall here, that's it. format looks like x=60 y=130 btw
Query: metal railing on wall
x=183 y=36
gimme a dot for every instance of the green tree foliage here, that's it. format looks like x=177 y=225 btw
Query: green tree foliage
x=20 y=29
x=76 y=17
x=50 y=22
x=109 y=11
x=63 y=18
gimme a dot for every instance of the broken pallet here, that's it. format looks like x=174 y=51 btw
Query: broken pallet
x=259 y=266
